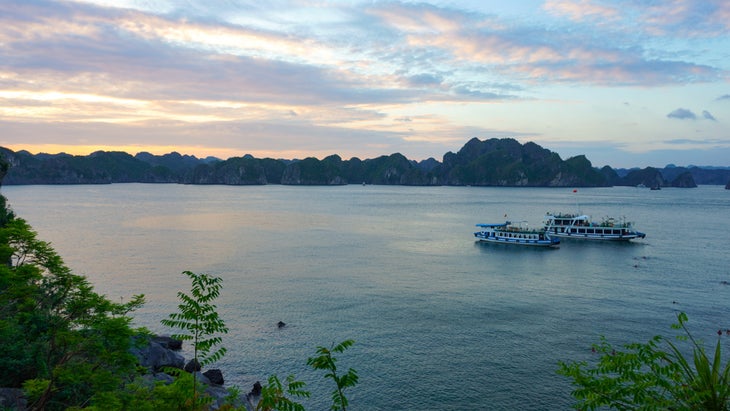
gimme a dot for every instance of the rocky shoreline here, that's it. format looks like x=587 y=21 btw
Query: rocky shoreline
x=159 y=354
x=162 y=353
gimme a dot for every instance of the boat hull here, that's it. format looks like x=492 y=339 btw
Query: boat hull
x=597 y=237
x=516 y=241
x=508 y=233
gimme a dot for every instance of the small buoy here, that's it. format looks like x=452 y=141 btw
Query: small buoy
x=280 y=324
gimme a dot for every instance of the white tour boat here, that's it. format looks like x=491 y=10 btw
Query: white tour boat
x=508 y=233
x=580 y=226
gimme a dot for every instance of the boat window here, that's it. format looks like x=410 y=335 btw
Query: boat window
x=581 y=231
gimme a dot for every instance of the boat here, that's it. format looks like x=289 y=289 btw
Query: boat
x=580 y=226
x=518 y=234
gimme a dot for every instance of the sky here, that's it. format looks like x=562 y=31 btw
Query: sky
x=625 y=83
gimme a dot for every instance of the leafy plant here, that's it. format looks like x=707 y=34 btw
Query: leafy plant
x=325 y=361
x=199 y=321
x=66 y=344
x=274 y=395
x=707 y=384
x=652 y=376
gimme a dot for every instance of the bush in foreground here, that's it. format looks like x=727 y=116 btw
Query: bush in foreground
x=652 y=376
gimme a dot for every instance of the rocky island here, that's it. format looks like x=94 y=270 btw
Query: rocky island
x=494 y=162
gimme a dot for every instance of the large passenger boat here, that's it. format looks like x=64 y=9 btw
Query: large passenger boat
x=519 y=234
x=580 y=226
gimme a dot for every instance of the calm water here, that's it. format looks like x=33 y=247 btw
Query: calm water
x=440 y=322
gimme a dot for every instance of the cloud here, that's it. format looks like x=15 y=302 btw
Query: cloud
x=581 y=10
x=342 y=66
x=689 y=18
x=696 y=142
x=425 y=79
x=706 y=114
x=682 y=114
x=537 y=53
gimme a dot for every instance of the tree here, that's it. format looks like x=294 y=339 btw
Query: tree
x=652 y=376
x=325 y=361
x=64 y=343
x=274 y=395
x=199 y=321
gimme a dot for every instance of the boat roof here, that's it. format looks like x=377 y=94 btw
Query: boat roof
x=492 y=225
x=569 y=216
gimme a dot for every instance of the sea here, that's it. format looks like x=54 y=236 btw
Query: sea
x=440 y=321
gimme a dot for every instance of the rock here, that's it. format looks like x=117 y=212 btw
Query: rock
x=649 y=177
x=155 y=356
x=156 y=353
x=215 y=376
x=168 y=342
x=256 y=390
x=12 y=399
x=192 y=366
x=684 y=180
x=202 y=378
x=222 y=396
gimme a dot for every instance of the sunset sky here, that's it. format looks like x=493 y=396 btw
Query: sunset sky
x=627 y=83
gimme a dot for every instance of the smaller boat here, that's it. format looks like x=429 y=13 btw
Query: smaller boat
x=519 y=234
x=580 y=226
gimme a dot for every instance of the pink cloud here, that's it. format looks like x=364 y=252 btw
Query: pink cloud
x=581 y=10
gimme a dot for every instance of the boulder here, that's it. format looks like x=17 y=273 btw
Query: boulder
x=222 y=396
x=202 y=378
x=154 y=356
x=215 y=376
x=168 y=342
x=256 y=390
x=192 y=366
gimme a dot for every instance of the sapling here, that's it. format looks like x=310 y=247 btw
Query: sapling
x=198 y=320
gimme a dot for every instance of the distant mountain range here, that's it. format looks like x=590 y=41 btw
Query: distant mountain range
x=494 y=162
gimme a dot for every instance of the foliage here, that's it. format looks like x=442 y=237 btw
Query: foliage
x=199 y=318
x=274 y=394
x=652 y=376
x=707 y=384
x=325 y=361
x=63 y=342
x=140 y=395
x=199 y=321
